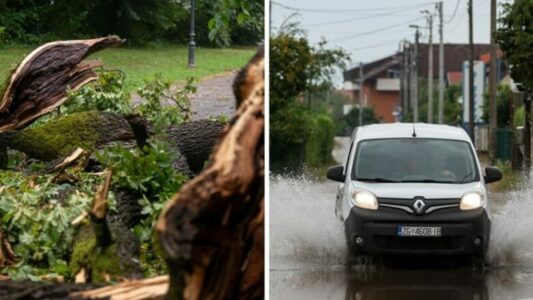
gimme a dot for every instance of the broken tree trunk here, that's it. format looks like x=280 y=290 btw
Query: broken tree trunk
x=39 y=84
x=60 y=137
x=195 y=140
x=211 y=232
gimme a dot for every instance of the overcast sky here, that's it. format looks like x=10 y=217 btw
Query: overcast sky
x=370 y=30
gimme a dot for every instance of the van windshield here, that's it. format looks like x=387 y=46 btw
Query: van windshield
x=415 y=160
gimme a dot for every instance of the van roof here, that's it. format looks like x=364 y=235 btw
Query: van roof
x=405 y=130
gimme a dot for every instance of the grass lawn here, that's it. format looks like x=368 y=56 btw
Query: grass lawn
x=144 y=63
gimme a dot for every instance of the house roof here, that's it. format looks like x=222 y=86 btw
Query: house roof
x=454 y=55
x=454 y=77
x=372 y=69
x=486 y=56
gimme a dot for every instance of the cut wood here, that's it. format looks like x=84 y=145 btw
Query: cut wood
x=39 y=84
x=211 y=232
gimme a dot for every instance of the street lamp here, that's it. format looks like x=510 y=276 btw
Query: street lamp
x=192 y=43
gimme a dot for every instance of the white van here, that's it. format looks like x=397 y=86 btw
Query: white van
x=413 y=189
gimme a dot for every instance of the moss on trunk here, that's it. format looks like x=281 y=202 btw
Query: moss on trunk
x=60 y=137
x=118 y=260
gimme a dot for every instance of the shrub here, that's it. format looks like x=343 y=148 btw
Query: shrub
x=106 y=94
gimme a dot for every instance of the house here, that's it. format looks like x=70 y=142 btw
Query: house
x=382 y=78
x=381 y=86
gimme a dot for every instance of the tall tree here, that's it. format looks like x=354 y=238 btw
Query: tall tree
x=515 y=37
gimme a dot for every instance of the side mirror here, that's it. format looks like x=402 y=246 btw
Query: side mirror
x=492 y=174
x=335 y=173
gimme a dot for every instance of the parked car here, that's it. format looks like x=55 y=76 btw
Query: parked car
x=413 y=189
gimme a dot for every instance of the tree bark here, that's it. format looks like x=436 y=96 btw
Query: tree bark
x=195 y=140
x=211 y=232
x=39 y=84
x=59 y=138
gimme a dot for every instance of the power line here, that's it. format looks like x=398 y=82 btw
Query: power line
x=338 y=10
x=454 y=12
x=356 y=19
x=395 y=41
x=375 y=30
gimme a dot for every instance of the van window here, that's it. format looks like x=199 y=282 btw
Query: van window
x=415 y=160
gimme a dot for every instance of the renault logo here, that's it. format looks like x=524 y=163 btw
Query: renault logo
x=419 y=206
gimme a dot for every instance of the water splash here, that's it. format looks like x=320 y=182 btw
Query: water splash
x=512 y=224
x=303 y=227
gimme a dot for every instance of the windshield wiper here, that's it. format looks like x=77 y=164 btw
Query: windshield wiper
x=376 y=179
x=466 y=176
x=429 y=181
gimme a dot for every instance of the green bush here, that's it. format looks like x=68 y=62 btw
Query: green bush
x=36 y=214
x=106 y=94
x=162 y=107
x=148 y=171
x=300 y=137
x=321 y=141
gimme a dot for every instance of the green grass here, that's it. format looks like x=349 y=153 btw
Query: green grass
x=143 y=63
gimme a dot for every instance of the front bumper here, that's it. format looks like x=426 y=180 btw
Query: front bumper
x=378 y=229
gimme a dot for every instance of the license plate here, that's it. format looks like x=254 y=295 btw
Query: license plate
x=423 y=231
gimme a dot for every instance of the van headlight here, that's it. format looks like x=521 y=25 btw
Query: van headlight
x=471 y=201
x=364 y=199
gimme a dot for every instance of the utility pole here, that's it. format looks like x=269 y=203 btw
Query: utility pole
x=361 y=83
x=270 y=17
x=430 y=70
x=414 y=74
x=441 y=66
x=471 y=74
x=405 y=78
x=493 y=113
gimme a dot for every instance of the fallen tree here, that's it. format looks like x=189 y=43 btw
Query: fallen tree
x=195 y=140
x=212 y=230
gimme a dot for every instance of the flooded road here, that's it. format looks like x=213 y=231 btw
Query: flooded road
x=308 y=256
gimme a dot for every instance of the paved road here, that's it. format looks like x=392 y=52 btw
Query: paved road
x=214 y=97
x=308 y=255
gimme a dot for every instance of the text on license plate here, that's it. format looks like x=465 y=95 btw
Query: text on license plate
x=419 y=231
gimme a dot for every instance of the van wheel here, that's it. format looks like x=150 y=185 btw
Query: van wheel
x=479 y=262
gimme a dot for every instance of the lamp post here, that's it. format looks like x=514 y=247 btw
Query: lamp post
x=192 y=43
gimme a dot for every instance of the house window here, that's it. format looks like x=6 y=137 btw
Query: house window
x=391 y=73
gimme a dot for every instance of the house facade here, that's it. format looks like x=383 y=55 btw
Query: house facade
x=382 y=79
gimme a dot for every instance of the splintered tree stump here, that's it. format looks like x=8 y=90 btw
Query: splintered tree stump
x=39 y=84
x=212 y=231
x=195 y=140
x=104 y=252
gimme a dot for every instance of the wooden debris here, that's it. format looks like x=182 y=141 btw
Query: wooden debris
x=98 y=213
x=39 y=84
x=152 y=288
x=211 y=232
x=7 y=255
x=76 y=156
